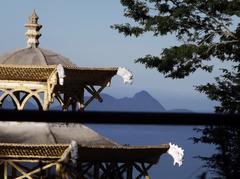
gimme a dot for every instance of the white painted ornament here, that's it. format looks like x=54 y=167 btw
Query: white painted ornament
x=126 y=75
x=61 y=74
x=74 y=152
x=177 y=154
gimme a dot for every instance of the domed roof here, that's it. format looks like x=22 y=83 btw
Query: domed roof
x=34 y=56
x=45 y=133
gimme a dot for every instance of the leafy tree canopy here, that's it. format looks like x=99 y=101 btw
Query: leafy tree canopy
x=224 y=163
x=205 y=29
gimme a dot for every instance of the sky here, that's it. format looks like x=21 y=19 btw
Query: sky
x=80 y=30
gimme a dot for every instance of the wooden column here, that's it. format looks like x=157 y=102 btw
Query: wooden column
x=80 y=103
x=1 y=168
x=96 y=170
x=129 y=171
x=5 y=170
x=14 y=172
x=59 y=170
x=45 y=101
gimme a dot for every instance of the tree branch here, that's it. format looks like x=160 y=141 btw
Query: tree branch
x=204 y=40
x=221 y=43
x=220 y=23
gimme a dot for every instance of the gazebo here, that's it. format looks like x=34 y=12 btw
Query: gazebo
x=41 y=150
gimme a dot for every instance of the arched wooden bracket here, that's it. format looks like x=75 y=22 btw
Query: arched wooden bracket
x=20 y=97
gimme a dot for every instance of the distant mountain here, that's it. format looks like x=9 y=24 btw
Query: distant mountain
x=140 y=102
x=180 y=111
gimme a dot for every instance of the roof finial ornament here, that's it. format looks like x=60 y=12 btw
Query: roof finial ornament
x=33 y=28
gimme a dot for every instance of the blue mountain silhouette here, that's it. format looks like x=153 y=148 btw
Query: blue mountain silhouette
x=140 y=102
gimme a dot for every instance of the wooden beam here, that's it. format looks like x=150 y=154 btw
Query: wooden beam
x=37 y=170
x=143 y=170
x=58 y=170
x=96 y=170
x=129 y=171
x=20 y=170
x=96 y=94
x=93 y=95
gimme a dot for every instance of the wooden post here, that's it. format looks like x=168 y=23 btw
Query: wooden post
x=67 y=101
x=74 y=106
x=96 y=170
x=81 y=104
x=5 y=170
x=45 y=101
x=147 y=176
x=59 y=170
x=129 y=171
x=14 y=172
x=145 y=170
x=1 y=168
x=17 y=94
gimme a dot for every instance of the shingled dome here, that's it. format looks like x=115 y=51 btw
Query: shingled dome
x=34 y=56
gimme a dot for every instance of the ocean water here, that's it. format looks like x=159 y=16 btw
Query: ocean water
x=163 y=134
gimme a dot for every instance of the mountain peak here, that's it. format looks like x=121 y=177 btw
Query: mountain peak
x=140 y=102
x=142 y=93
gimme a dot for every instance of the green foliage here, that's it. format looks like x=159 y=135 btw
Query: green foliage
x=206 y=32
x=226 y=89
x=178 y=62
x=225 y=162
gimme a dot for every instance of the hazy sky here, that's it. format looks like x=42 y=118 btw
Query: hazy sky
x=80 y=30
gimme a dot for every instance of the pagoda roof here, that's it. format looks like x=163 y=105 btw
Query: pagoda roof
x=33 y=151
x=145 y=154
x=50 y=133
x=41 y=73
x=50 y=141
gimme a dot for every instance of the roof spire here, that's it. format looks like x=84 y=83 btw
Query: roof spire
x=33 y=28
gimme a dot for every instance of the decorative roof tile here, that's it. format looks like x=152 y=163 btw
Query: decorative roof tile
x=32 y=151
x=25 y=73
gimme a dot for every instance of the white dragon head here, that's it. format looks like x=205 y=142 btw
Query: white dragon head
x=61 y=73
x=177 y=154
x=126 y=75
